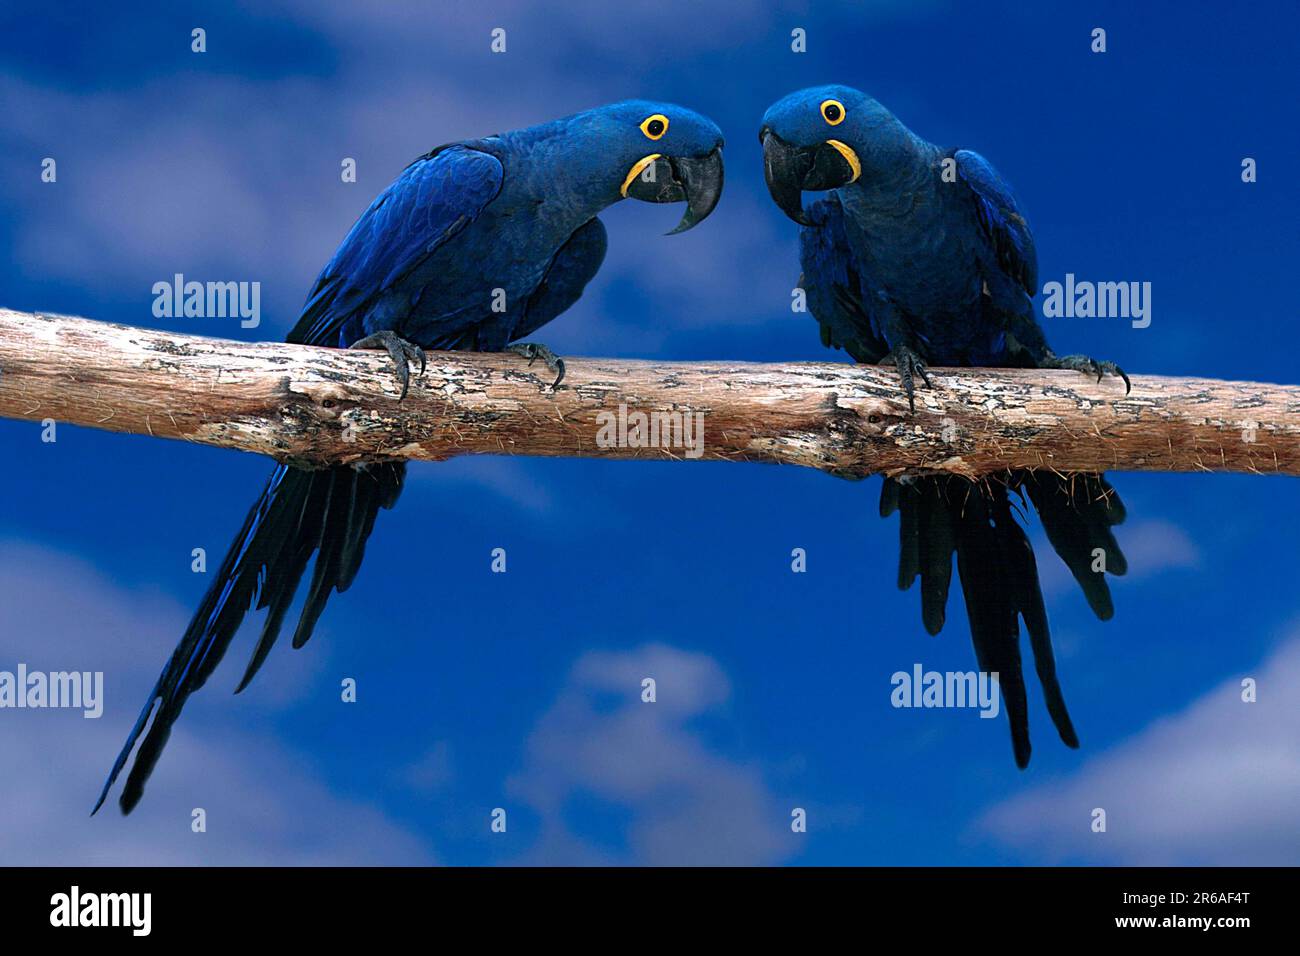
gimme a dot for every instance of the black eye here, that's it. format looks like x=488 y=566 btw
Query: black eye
x=654 y=126
x=833 y=111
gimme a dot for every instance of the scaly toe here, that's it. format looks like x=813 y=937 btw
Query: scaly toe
x=534 y=351
x=401 y=352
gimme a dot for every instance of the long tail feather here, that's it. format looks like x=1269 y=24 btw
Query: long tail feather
x=329 y=513
x=940 y=516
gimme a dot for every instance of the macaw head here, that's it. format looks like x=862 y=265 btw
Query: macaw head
x=654 y=152
x=826 y=137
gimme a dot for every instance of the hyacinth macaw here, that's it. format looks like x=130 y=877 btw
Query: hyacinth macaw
x=424 y=268
x=919 y=254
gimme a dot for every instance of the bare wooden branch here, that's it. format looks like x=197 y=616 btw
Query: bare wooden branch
x=316 y=406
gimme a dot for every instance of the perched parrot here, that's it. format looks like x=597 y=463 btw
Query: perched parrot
x=919 y=254
x=424 y=268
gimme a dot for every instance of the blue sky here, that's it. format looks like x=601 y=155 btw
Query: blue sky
x=480 y=690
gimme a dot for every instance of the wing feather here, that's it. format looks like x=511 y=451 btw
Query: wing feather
x=434 y=199
x=1001 y=218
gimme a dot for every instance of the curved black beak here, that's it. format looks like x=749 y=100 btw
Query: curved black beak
x=790 y=170
x=695 y=180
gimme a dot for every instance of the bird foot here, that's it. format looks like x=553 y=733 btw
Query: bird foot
x=1089 y=366
x=402 y=352
x=534 y=351
x=910 y=366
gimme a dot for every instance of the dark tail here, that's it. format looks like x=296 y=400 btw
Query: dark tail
x=331 y=512
x=999 y=576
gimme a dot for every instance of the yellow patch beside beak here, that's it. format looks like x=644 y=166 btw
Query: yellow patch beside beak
x=637 y=168
x=849 y=155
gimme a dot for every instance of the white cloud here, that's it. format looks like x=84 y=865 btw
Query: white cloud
x=686 y=804
x=510 y=479
x=1156 y=545
x=1152 y=547
x=432 y=772
x=635 y=35
x=264 y=805
x=223 y=185
x=1217 y=784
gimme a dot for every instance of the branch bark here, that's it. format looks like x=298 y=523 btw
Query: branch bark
x=317 y=406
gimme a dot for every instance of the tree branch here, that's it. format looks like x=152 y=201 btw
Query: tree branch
x=317 y=406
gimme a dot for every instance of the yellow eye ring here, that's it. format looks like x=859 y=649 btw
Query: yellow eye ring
x=655 y=126
x=833 y=112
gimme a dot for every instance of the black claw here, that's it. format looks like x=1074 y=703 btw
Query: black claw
x=909 y=365
x=534 y=351
x=402 y=352
x=1083 y=363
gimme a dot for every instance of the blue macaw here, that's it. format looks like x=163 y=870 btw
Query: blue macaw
x=919 y=254
x=425 y=267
